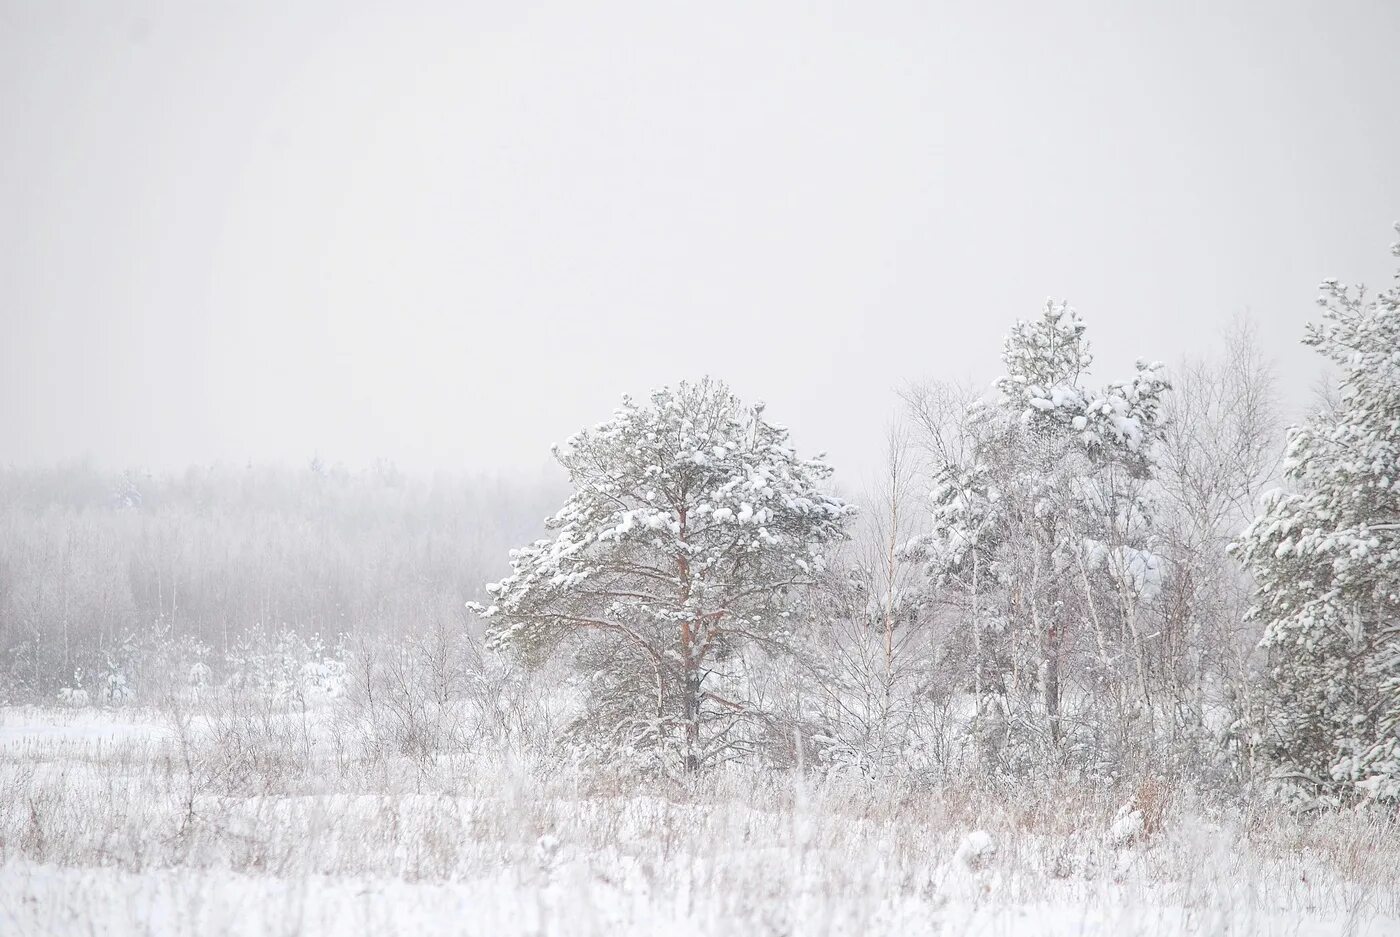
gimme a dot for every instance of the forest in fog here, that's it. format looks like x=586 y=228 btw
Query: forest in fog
x=1107 y=653
x=119 y=584
x=1059 y=573
x=120 y=589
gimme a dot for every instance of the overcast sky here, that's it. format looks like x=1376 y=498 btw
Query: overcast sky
x=451 y=235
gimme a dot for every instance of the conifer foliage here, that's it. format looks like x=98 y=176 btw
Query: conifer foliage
x=1325 y=555
x=692 y=528
x=1042 y=526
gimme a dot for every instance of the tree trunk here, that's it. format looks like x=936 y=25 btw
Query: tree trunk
x=690 y=691
x=690 y=664
x=1052 y=682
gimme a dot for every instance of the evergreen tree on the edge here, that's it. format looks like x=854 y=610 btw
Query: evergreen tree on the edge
x=1326 y=560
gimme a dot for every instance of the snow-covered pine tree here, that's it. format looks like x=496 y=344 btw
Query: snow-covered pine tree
x=1041 y=516
x=1325 y=556
x=692 y=526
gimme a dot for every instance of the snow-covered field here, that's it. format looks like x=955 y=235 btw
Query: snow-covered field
x=125 y=822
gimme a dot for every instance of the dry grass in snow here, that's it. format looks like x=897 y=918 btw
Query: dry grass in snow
x=139 y=823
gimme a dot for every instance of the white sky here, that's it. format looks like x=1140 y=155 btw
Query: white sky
x=452 y=236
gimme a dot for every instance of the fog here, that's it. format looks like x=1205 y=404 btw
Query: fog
x=452 y=234
x=303 y=632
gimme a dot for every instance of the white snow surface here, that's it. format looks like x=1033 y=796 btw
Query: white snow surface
x=103 y=830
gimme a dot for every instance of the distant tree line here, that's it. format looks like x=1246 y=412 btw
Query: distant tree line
x=100 y=574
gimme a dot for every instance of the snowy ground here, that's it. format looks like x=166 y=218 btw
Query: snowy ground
x=121 y=823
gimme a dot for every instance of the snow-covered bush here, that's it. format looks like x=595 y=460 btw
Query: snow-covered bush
x=75 y=695
x=286 y=667
x=428 y=695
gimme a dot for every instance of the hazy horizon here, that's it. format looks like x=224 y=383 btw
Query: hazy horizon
x=450 y=236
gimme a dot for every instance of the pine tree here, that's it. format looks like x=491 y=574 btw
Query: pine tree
x=1045 y=514
x=692 y=527
x=1326 y=560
